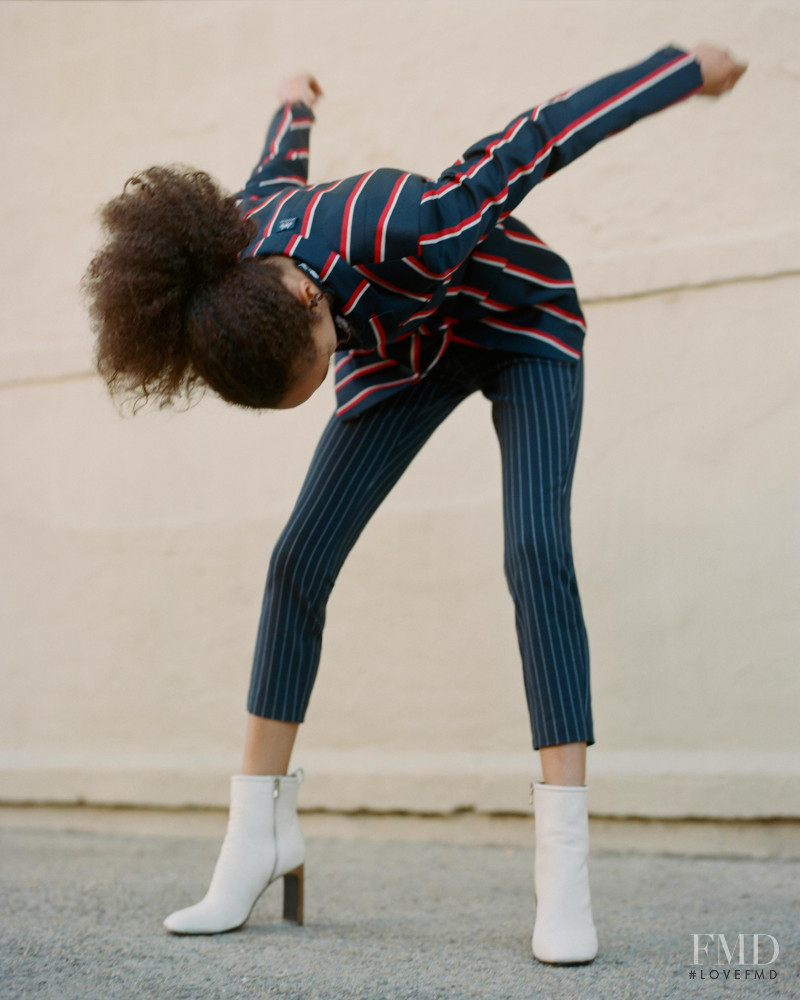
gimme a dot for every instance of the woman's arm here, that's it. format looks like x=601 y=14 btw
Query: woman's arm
x=461 y=206
x=285 y=157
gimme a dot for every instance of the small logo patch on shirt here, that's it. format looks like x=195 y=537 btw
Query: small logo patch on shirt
x=286 y=224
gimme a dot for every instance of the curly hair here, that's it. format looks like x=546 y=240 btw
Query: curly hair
x=173 y=307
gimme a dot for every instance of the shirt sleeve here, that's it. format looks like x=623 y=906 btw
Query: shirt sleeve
x=285 y=157
x=460 y=207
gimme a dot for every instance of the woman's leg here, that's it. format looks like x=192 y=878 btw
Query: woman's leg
x=268 y=745
x=355 y=466
x=564 y=763
x=537 y=413
x=537 y=410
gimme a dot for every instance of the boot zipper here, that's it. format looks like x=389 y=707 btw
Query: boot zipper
x=276 y=791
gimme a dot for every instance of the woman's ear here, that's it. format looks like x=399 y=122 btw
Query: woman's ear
x=307 y=293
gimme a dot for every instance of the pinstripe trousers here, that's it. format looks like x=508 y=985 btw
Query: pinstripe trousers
x=536 y=410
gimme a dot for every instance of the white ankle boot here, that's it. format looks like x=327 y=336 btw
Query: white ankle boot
x=264 y=842
x=564 y=933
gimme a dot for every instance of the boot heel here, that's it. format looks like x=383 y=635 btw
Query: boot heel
x=293 y=895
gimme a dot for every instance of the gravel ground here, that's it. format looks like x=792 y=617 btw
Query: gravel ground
x=385 y=920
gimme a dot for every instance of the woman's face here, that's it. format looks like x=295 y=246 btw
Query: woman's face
x=313 y=368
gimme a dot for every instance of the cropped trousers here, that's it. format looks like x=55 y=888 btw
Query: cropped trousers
x=536 y=411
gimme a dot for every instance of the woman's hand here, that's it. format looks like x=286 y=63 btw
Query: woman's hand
x=720 y=70
x=300 y=89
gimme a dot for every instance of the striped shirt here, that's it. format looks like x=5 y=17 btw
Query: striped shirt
x=416 y=264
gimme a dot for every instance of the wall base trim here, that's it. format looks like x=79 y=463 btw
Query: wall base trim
x=646 y=784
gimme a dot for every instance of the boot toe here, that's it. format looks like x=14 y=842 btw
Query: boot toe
x=565 y=949
x=190 y=921
x=180 y=922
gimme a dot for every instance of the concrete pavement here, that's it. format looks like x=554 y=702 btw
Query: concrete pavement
x=416 y=910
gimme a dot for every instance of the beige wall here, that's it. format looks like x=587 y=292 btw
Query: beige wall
x=135 y=549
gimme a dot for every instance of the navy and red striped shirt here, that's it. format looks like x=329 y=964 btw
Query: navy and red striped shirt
x=416 y=264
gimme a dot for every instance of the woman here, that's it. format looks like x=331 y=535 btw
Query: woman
x=428 y=290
